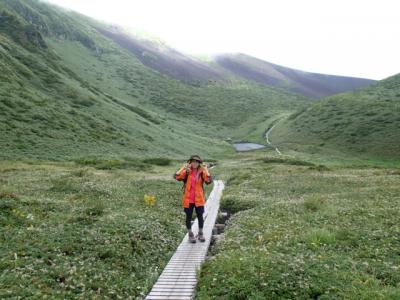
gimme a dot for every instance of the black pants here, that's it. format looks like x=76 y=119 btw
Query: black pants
x=189 y=213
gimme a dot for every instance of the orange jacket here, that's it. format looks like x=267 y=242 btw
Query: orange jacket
x=203 y=177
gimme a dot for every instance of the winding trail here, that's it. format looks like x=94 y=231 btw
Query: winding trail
x=178 y=280
x=269 y=142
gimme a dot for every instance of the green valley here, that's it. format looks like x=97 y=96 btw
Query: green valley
x=95 y=120
x=78 y=91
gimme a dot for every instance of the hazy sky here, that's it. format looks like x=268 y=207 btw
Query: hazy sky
x=353 y=37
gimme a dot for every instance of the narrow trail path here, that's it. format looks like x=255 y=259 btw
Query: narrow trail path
x=269 y=142
x=178 y=280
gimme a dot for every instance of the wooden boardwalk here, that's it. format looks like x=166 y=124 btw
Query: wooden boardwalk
x=178 y=280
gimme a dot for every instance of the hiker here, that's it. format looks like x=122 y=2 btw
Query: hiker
x=194 y=174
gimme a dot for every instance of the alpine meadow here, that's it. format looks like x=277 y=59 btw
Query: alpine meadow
x=95 y=120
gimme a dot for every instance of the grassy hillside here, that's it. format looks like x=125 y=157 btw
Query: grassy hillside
x=364 y=123
x=221 y=107
x=69 y=91
x=306 y=83
x=50 y=109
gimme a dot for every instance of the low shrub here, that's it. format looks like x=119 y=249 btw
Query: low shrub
x=110 y=164
x=314 y=203
x=158 y=161
x=287 y=161
x=319 y=168
x=64 y=185
x=319 y=237
x=234 y=205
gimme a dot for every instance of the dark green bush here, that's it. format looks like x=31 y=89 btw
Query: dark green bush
x=234 y=205
x=159 y=161
x=109 y=164
x=287 y=161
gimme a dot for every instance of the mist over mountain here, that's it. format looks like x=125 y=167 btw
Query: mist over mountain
x=306 y=83
x=168 y=61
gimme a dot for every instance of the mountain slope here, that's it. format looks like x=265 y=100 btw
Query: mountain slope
x=69 y=91
x=162 y=58
x=308 y=84
x=49 y=109
x=362 y=123
x=223 y=67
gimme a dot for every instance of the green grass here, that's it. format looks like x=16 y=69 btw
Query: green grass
x=76 y=231
x=303 y=233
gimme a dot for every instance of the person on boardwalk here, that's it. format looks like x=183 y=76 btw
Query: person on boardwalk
x=194 y=174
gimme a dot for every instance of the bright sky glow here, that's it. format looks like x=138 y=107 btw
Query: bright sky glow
x=353 y=38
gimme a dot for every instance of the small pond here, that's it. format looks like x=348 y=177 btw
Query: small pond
x=247 y=146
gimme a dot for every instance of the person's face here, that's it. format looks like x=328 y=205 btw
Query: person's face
x=194 y=164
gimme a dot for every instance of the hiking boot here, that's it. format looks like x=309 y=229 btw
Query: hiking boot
x=191 y=237
x=200 y=236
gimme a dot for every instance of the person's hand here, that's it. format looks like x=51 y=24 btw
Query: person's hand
x=184 y=166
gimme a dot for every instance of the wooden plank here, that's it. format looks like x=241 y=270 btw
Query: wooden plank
x=177 y=275
x=172 y=272
x=191 y=281
x=185 y=275
x=168 y=298
x=178 y=279
x=164 y=297
x=176 y=284
x=172 y=286
x=172 y=293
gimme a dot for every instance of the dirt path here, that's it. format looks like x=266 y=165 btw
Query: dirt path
x=269 y=142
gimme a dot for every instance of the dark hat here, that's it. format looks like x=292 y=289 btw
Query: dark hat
x=195 y=157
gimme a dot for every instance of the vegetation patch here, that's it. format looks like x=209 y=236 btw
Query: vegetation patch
x=288 y=161
x=141 y=112
x=320 y=168
x=65 y=185
x=73 y=234
x=110 y=164
x=310 y=235
x=238 y=178
x=234 y=205
x=159 y=161
x=314 y=203
x=319 y=237
x=362 y=123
